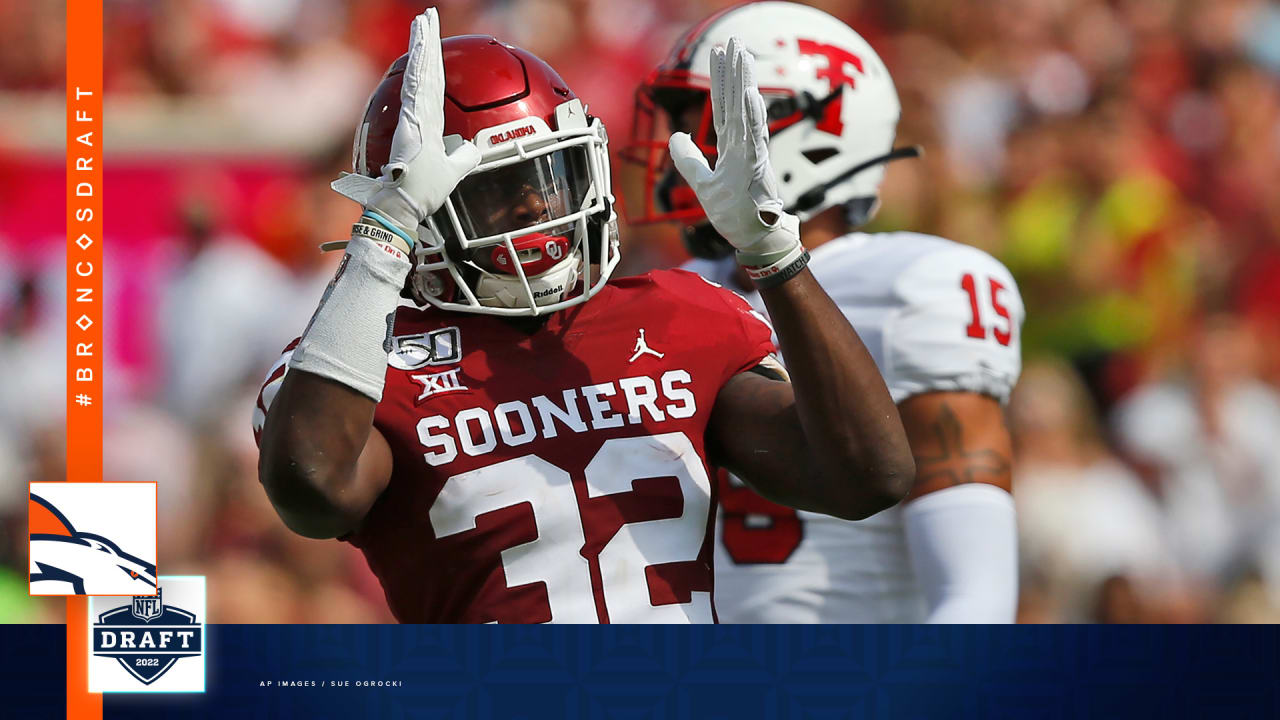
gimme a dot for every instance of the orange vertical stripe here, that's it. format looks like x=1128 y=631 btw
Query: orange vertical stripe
x=84 y=303
x=81 y=704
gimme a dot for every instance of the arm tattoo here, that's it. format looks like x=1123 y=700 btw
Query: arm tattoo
x=953 y=464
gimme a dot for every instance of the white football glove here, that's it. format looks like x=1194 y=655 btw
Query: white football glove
x=740 y=197
x=420 y=174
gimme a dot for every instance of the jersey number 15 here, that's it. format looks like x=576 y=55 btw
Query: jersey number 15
x=976 y=329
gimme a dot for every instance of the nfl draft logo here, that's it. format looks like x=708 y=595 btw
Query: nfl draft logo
x=149 y=608
x=150 y=643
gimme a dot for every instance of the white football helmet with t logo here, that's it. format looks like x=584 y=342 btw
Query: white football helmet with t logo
x=833 y=111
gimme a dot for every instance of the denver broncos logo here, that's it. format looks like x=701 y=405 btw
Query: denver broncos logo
x=65 y=560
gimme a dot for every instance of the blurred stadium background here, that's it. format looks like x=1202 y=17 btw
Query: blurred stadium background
x=1122 y=157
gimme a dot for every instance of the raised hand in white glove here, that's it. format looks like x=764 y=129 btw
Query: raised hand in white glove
x=421 y=173
x=740 y=196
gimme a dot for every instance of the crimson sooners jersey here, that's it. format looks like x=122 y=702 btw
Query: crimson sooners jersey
x=557 y=476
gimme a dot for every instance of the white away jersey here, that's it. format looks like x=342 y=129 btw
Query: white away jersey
x=936 y=316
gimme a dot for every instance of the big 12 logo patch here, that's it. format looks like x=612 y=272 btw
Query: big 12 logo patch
x=147 y=636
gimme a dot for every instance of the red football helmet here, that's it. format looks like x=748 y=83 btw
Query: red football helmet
x=521 y=233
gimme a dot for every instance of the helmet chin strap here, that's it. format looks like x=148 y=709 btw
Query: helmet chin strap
x=549 y=287
x=816 y=196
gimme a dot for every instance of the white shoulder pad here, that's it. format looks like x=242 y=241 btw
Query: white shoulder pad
x=958 y=327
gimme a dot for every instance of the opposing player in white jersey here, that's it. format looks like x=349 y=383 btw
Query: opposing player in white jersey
x=941 y=319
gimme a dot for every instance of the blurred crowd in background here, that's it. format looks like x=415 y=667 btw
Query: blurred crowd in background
x=1122 y=157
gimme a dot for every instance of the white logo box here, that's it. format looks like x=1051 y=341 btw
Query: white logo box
x=146 y=644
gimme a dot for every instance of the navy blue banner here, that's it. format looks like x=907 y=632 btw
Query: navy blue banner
x=33 y=671
x=264 y=671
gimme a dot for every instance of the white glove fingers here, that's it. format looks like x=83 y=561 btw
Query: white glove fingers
x=732 y=103
x=757 y=124
x=464 y=159
x=412 y=78
x=431 y=91
x=757 y=116
x=719 y=83
x=421 y=95
x=749 y=89
x=737 y=114
x=689 y=161
x=409 y=127
x=757 y=131
x=744 y=82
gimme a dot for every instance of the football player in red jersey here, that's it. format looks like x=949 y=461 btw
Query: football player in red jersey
x=500 y=448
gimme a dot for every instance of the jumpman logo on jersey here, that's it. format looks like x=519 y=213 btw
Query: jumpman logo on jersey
x=642 y=348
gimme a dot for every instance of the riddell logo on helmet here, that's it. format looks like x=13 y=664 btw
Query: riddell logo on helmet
x=539 y=294
x=508 y=135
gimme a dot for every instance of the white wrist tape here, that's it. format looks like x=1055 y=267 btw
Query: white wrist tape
x=349 y=336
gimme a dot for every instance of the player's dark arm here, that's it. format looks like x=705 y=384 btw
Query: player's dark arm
x=957 y=438
x=831 y=440
x=321 y=461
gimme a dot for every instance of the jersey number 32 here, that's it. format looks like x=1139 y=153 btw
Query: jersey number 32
x=557 y=556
